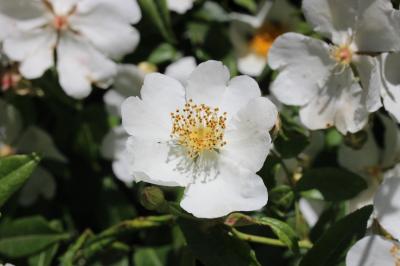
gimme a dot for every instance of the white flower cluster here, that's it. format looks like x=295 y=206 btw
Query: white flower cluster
x=339 y=82
x=79 y=37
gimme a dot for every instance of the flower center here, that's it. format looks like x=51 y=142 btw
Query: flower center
x=262 y=41
x=343 y=54
x=198 y=128
x=60 y=23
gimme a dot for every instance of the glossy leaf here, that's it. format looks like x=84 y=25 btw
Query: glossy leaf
x=332 y=246
x=14 y=172
x=335 y=184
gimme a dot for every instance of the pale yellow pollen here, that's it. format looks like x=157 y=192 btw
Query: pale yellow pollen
x=198 y=128
x=6 y=150
x=262 y=40
x=342 y=54
x=395 y=252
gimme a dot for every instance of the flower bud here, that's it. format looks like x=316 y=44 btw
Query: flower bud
x=152 y=198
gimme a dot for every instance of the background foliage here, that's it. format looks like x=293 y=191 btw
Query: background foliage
x=95 y=219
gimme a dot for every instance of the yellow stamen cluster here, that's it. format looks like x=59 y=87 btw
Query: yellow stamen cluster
x=263 y=39
x=395 y=252
x=343 y=54
x=198 y=128
x=6 y=150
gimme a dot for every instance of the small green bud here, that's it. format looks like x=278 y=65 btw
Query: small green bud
x=152 y=198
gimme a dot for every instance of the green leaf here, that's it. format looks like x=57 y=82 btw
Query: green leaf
x=335 y=184
x=211 y=11
x=163 y=53
x=213 y=246
x=158 y=13
x=291 y=143
x=151 y=256
x=45 y=257
x=283 y=231
x=250 y=5
x=27 y=236
x=331 y=248
x=14 y=172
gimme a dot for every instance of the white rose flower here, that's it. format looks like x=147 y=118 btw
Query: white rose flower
x=377 y=250
x=318 y=77
x=180 y=6
x=210 y=136
x=84 y=34
x=371 y=161
x=127 y=83
x=252 y=36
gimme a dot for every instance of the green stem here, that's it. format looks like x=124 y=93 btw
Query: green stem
x=267 y=241
x=109 y=237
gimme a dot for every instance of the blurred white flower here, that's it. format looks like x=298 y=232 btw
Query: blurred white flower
x=83 y=33
x=127 y=83
x=390 y=92
x=252 y=36
x=210 y=135
x=180 y=6
x=372 y=162
x=377 y=250
x=14 y=139
x=318 y=76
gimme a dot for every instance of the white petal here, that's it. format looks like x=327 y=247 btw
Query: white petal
x=36 y=140
x=107 y=30
x=7 y=25
x=150 y=117
x=120 y=168
x=33 y=49
x=41 y=183
x=339 y=103
x=247 y=137
x=378 y=26
x=333 y=19
x=233 y=189
x=181 y=69
x=239 y=92
x=22 y=9
x=63 y=7
x=371 y=251
x=252 y=64
x=387 y=206
x=180 y=6
x=360 y=160
x=311 y=210
x=126 y=9
x=391 y=91
x=207 y=83
x=80 y=65
x=305 y=65
x=113 y=144
x=369 y=72
x=158 y=163
x=127 y=83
